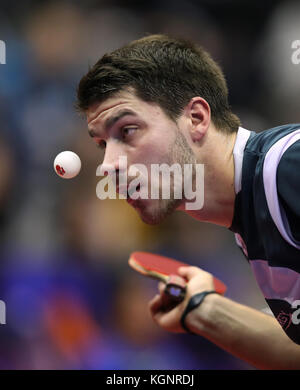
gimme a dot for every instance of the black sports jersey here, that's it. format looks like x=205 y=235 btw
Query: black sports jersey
x=266 y=219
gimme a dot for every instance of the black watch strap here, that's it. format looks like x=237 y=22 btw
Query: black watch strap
x=194 y=302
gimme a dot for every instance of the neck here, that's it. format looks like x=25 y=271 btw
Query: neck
x=219 y=191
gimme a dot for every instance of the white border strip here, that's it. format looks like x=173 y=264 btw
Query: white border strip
x=271 y=162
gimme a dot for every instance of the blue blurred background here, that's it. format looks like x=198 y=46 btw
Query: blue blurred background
x=71 y=300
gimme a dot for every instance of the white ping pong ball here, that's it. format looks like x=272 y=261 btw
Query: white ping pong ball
x=67 y=164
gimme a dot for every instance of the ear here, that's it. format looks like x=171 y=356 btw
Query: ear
x=198 y=112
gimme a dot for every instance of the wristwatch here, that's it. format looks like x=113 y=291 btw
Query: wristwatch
x=194 y=302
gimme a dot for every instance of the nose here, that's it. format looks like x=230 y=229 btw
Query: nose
x=115 y=159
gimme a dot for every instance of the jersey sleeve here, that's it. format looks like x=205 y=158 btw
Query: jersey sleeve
x=288 y=188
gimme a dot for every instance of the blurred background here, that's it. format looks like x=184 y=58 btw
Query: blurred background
x=71 y=300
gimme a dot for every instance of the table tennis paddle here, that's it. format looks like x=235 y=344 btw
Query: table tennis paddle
x=165 y=269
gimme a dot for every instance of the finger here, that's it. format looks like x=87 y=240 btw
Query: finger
x=168 y=320
x=161 y=287
x=155 y=304
x=189 y=272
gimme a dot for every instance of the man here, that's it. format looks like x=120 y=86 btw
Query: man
x=161 y=100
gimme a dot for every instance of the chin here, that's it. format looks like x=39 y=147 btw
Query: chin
x=157 y=211
x=151 y=219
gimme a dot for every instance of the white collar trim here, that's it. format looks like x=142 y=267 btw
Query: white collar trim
x=238 y=154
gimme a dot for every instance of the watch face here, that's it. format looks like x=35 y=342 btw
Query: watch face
x=177 y=292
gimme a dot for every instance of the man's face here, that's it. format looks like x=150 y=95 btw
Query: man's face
x=125 y=125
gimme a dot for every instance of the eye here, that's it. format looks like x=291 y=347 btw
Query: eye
x=101 y=144
x=127 y=131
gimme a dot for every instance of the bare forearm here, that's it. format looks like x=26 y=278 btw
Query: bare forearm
x=244 y=332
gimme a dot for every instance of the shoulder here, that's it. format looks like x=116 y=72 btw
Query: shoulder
x=288 y=169
x=288 y=186
x=281 y=174
x=273 y=138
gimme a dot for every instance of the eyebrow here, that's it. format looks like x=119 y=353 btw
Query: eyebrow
x=113 y=119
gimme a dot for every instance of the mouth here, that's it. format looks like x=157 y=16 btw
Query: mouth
x=123 y=190
x=133 y=191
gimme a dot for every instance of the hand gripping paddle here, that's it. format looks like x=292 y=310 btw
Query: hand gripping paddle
x=165 y=269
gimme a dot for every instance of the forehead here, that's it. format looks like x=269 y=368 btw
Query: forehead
x=99 y=111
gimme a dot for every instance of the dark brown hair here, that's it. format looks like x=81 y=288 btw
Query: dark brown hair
x=162 y=70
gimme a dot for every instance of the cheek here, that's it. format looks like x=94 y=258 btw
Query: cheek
x=155 y=149
x=152 y=154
